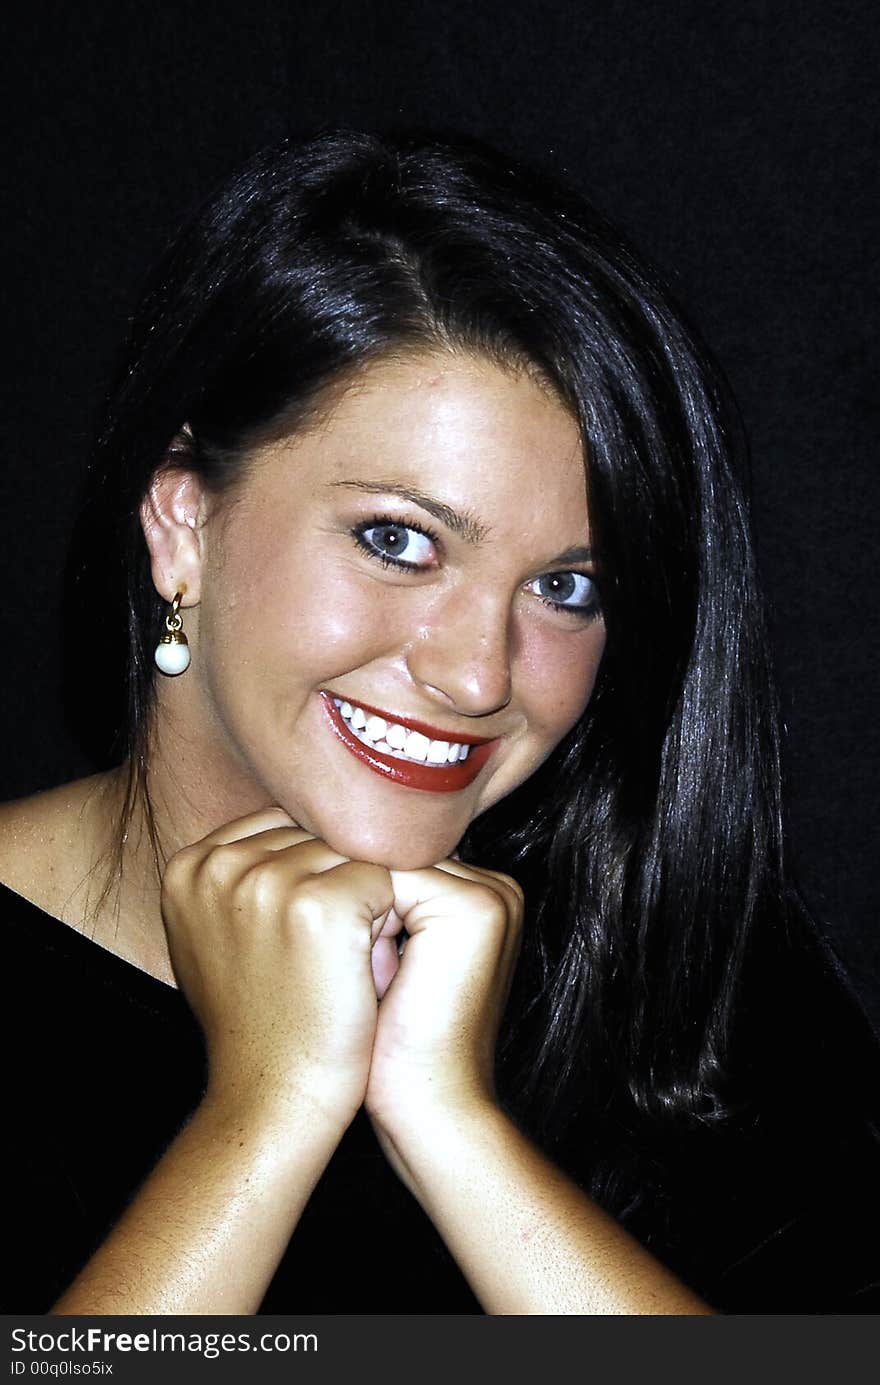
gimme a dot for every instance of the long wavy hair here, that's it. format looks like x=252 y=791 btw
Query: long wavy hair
x=650 y=841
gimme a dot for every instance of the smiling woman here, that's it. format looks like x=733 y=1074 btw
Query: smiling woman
x=466 y=635
x=447 y=836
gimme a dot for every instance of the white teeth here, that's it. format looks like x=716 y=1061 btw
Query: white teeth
x=393 y=739
x=396 y=737
x=375 y=729
x=416 y=747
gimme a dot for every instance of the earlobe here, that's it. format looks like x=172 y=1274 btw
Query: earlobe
x=172 y=512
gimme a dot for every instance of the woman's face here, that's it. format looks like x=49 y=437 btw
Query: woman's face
x=422 y=555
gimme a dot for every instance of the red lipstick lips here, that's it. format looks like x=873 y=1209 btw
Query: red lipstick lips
x=448 y=778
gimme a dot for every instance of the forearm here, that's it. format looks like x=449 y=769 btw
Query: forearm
x=525 y=1237
x=208 y=1227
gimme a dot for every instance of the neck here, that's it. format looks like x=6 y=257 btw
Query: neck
x=181 y=797
x=192 y=787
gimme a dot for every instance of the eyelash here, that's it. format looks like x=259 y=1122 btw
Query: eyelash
x=400 y=564
x=584 y=613
x=386 y=559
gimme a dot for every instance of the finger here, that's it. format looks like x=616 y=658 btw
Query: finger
x=392 y=925
x=505 y=885
x=288 y=854
x=511 y=888
x=513 y=893
x=355 y=886
x=419 y=894
x=385 y=963
x=265 y=820
x=301 y=853
x=280 y=838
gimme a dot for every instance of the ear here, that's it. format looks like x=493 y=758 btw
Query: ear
x=172 y=513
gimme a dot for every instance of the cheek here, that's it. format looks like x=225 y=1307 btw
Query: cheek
x=306 y=620
x=559 y=671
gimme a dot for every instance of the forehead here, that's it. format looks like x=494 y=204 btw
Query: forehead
x=451 y=420
x=453 y=395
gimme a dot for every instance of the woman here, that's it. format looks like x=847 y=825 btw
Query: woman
x=424 y=502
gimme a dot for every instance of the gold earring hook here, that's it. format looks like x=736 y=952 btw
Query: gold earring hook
x=174 y=620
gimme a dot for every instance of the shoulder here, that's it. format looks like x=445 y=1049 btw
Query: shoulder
x=47 y=844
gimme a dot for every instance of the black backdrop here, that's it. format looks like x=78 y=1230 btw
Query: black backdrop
x=734 y=142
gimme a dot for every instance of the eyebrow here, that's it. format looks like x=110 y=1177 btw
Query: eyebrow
x=464 y=524
x=576 y=555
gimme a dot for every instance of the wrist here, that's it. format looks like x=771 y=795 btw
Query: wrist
x=263 y=1112
x=400 y=1101
x=425 y=1141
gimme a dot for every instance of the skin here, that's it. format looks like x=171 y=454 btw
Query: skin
x=464 y=645
x=294 y=866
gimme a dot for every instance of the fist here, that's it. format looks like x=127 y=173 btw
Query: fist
x=270 y=933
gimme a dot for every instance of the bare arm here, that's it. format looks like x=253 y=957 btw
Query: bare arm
x=525 y=1237
x=209 y=1226
x=270 y=933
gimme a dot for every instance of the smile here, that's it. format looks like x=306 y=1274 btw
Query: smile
x=409 y=753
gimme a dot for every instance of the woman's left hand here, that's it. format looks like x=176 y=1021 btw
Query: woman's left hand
x=525 y=1237
x=439 y=1017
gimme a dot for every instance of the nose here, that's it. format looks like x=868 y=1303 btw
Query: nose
x=461 y=655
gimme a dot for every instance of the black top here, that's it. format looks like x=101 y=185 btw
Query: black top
x=777 y=1212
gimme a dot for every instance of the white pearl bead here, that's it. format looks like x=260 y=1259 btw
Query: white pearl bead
x=172 y=658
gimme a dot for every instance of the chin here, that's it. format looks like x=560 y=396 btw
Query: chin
x=381 y=849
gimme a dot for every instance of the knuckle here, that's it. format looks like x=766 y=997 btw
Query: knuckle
x=308 y=903
x=178 y=870
x=219 y=867
x=515 y=888
x=259 y=882
x=488 y=903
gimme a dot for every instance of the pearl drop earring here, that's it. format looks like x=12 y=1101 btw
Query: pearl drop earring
x=172 y=652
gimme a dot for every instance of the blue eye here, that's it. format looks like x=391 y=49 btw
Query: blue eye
x=568 y=591
x=395 y=544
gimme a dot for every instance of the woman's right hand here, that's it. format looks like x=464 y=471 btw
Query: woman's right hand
x=270 y=933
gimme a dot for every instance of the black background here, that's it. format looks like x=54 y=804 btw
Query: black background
x=736 y=143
